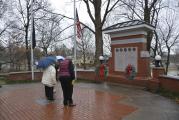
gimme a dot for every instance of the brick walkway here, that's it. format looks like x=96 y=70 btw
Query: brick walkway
x=27 y=102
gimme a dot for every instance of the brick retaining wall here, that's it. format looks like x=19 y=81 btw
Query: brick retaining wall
x=170 y=83
x=86 y=75
x=166 y=82
x=24 y=76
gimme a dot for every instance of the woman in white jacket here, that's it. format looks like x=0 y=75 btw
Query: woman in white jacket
x=49 y=81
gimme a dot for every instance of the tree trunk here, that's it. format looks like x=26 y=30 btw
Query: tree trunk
x=84 y=60
x=98 y=31
x=45 y=51
x=156 y=44
x=168 y=61
x=27 y=48
x=99 y=45
x=26 y=39
x=149 y=40
x=147 y=20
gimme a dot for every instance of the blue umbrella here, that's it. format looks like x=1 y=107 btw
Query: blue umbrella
x=46 y=61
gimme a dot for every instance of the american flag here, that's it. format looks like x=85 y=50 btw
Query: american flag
x=79 y=30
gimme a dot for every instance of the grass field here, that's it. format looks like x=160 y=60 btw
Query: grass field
x=2 y=80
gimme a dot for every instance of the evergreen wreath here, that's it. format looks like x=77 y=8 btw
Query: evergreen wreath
x=130 y=72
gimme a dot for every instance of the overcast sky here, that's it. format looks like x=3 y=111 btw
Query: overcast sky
x=66 y=7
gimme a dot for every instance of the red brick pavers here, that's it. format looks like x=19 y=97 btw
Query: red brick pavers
x=28 y=103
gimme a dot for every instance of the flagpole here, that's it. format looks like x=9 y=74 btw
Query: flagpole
x=75 y=39
x=32 y=52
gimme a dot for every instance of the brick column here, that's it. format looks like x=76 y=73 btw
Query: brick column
x=157 y=71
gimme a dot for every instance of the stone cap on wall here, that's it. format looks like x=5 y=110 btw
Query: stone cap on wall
x=170 y=77
x=22 y=72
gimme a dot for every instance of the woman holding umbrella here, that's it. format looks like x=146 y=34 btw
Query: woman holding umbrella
x=49 y=75
x=49 y=81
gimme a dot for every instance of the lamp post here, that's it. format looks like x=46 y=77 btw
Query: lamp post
x=157 y=60
x=101 y=59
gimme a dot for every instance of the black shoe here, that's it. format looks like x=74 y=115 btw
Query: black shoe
x=72 y=105
x=65 y=104
x=51 y=99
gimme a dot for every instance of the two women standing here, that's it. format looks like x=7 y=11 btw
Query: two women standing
x=66 y=76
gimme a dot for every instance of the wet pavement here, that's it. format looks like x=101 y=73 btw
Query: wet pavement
x=94 y=102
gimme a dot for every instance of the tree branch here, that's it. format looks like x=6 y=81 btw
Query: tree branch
x=89 y=11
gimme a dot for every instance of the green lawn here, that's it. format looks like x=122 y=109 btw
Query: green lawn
x=2 y=80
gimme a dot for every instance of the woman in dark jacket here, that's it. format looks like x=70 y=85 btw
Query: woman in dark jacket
x=66 y=75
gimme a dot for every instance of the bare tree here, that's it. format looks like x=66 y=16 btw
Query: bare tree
x=169 y=34
x=98 y=17
x=25 y=20
x=176 y=58
x=146 y=10
x=107 y=43
x=15 y=52
x=62 y=50
x=94 y=9
x=3 y=9
x=85 y=46
x=23 y=15
x=49 y=31
x=5 y=28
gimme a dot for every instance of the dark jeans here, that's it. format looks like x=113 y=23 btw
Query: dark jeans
x=67 y=88
x=49 y=92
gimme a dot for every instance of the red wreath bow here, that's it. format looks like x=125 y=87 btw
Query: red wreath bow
x=129 y=69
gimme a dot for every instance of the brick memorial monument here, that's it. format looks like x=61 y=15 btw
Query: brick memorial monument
x=129 y=47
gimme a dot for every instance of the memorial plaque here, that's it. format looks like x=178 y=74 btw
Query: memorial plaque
x=125 y=56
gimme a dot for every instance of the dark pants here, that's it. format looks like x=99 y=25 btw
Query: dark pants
x=49 y=92
x=67 y=88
